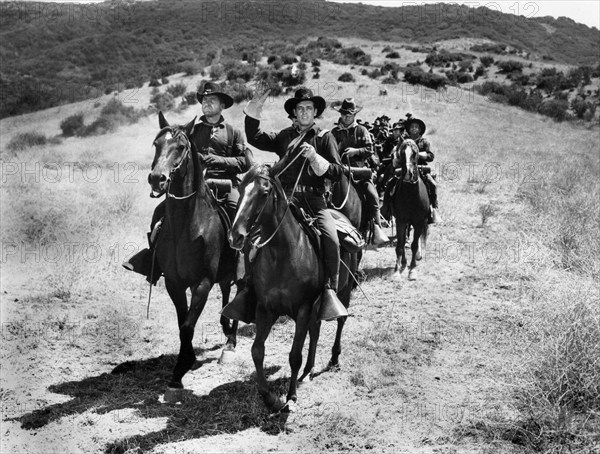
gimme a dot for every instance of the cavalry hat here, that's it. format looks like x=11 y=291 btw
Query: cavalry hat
x=305 y=94
x=411 y=120
x=211 y=88
x=348 y=106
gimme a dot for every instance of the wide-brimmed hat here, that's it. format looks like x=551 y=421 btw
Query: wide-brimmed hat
x=305 y=94
x=411 y=120
x=211 y=88
x=348 y=106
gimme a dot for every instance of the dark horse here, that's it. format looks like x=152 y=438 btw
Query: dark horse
x=192 y=248
x=288 y=276
x=410 y=205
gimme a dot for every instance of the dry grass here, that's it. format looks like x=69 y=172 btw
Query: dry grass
x=384 y=364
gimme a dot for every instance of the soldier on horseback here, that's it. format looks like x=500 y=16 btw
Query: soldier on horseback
x=223 y=153
x=415 y=128
x=306 y=178
x=356 y=147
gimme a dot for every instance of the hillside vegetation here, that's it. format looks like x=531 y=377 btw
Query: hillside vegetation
x=55 y=54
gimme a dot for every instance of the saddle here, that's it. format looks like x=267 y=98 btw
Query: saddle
x=350 y=238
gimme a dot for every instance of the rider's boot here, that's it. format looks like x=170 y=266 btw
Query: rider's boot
x=141 y=262
x=243 y=305
x=331 y=306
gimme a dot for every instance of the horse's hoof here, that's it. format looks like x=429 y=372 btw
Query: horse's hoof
x=418 y=256
x=331 y=367
x=291 y=406
x=227 y=356
x=173 y=395
x=412 y=275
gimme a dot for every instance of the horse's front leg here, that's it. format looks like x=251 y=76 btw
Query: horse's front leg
x=187 y=357
x=302 y=320
x=401 y=229
x=415 y=249
x=229 y=327
x=264 y=322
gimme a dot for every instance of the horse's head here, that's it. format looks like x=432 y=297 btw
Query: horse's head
x=408 y=155
x=255 y=190
x=171 y=156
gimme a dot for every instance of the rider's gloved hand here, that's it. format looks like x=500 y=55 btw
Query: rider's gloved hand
x=255 y=106
x=318 y=163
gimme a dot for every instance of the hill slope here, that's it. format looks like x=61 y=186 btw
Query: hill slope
x=52 y=54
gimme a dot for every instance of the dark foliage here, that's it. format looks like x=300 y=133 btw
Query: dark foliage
x=418 y=76
x=346 y=77
x=80 y=59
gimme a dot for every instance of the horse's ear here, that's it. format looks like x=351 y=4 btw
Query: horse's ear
x=162 y=121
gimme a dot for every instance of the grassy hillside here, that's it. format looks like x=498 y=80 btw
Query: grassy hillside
x=492 y=350
x=55 y=54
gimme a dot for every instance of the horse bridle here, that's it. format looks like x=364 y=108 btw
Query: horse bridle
x=275 y=183
x=404 y=169
x=187 y=153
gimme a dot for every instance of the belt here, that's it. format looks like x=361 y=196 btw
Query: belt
x=305 y=188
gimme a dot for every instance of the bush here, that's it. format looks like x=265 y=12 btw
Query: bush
x=390 y=80
x=393 y=55
x=240 y=91
x=190 y=98
x=72 y=125
x=510 y=66
x=176 y=90
x=486 y=60
x=346 y=77
x=387 y=49
x=375 y=73
x=316 y=62
x=165 y=81
x=154 y=83
x=581 y=108
x=25 y=140
x=555 y=108
x=162 y=101
x=418 y=76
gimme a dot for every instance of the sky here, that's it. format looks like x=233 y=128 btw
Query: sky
x=583 y=11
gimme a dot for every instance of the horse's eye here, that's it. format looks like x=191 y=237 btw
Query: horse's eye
x=180 y=148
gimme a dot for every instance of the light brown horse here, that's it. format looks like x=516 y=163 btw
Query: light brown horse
x=288 y=276
x=192 y=248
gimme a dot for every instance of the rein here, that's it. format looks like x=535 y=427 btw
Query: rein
x=348 y=189
x=287 y=207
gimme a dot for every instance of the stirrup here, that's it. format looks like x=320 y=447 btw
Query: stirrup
x=331 y=306
x=379 y=237
x=242 y=307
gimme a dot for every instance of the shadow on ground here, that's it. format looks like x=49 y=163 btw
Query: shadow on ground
x=137 y=386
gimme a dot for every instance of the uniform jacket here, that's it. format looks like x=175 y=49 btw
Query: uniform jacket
x=231 y=155
x=277 y=142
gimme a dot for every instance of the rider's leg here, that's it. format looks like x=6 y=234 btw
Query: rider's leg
x=231 y=203
x=141 y=262
x=373 y=202
x=331 y=307
x=432 y=191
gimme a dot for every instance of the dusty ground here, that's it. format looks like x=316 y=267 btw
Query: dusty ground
x=423 y=368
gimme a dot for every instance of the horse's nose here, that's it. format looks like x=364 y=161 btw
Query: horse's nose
x=155 y=178
x=236 y=240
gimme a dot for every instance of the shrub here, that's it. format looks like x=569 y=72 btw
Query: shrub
x=165 y=81
x=389 y=80
x=216 y=71
x=393 y=55
x=357 y=56
x=555 y=108
x=375 y=73
x=346 y=77
x=486 y=60
x=387 y=49
x=418 y=76
x=510 y=66
x=240 y=91
x=190 y=98
x=162 y=101
x=72 y=125
x=154 y=83
x=25 y=140
x=176 y=90
x=316 y=62
x=581 y=107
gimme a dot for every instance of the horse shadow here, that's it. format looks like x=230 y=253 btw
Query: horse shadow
x=131 y=393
